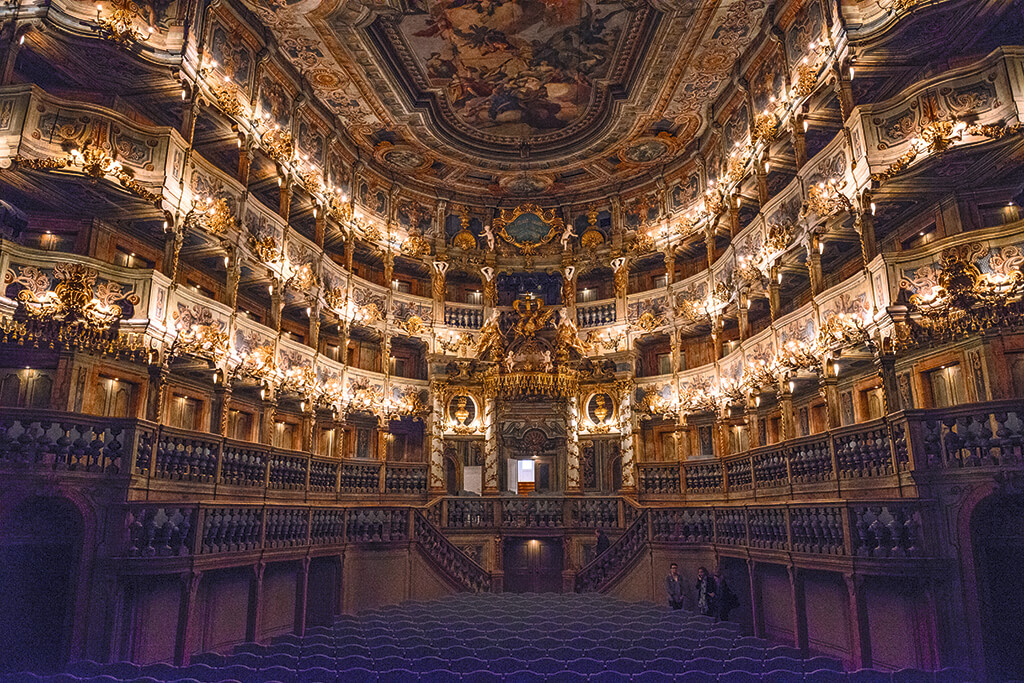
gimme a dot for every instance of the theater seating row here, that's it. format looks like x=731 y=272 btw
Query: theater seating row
x=519 y=638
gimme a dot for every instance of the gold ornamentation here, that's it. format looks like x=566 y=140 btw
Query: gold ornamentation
x=120 y=27
x=76 y=315
x=548 y=217
x=938 y=137
x=259 y=364
x=766 y=127
x=827 y=199
x=464 y=239
x=592 y=236
x=96 y=163
x=266 y=248
x=648 y=321
x=533 y=316
x=213 y=216
x=567 y=337
x=226 y=97
x=203 y=340
x=453 y=342
x=965 y=302
x=412 y=326
x=278 y=144
x=561 y=382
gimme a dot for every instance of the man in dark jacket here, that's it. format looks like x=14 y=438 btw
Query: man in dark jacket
x=674 y=587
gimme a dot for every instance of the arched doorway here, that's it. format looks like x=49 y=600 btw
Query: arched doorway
x=40 y=547
x=997 y=534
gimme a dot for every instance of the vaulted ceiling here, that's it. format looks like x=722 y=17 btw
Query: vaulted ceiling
x=528 y=97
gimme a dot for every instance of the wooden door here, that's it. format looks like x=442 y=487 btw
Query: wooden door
x=533 y=565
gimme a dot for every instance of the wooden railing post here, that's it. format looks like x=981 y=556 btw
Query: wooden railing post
x=220 y=464
x=835 y=460
x=309 y=469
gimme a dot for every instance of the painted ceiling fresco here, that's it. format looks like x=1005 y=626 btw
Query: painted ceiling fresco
x=512 y=68
x=517 y=96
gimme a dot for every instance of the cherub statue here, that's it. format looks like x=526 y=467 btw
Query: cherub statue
x=489 y=236
x=549 y=366
x=567 y=235
x=509 y=361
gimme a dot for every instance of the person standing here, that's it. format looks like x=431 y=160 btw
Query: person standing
x=674 y=587
x=727 y=600
x=706 y=593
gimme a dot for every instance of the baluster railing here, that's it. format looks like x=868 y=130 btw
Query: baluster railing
x=231 y=529
x=456 y=564
x=160 y=531
x=377 y=525
x=405 y=478
x=287 y=470
x=360 y=477
x=602 y=571
x=243 y=463
x=186 y=456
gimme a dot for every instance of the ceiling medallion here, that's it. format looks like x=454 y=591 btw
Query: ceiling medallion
x=524 y=184
x=528 y=227
x=648 y=150
x=401 y=157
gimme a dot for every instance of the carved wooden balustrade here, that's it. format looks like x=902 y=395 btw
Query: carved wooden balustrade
x=201 y=534
x=164 y=530
x=453 y=562
x=612 y=563
x=187 y=463
x=543 y=512
x=888 y=454
x=851 y=532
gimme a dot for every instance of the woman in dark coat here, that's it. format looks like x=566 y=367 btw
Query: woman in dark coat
x=706 y=592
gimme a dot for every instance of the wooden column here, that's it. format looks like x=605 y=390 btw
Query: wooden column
x=786 y=411
x=828 y=387
x=186 y=614
x=285 y=206
x=219 y=414
x=796 y=582
x=860 y=634
x=814 y=270
x=799 y=141
x=756 y=608
x=255 y=614
x=743 y=315
x=276 y=305
x=268 y=408
x=301 y=595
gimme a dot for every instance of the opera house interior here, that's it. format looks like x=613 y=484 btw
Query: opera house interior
x=398 y=340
